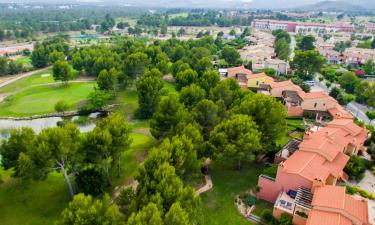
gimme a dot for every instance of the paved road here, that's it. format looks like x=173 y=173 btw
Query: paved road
x=356 y=109
x=20 y=76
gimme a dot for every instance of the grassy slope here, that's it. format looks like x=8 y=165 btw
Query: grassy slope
x=41 y=99
x=39 y=203
x=219 y=205
x=36 y=95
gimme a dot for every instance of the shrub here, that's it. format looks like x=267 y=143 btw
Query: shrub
x=61 y=106
x=355 y=168
x=270 y=171
x=285 y=219
x=91 y=180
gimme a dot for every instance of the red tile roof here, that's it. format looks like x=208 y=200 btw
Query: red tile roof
x=312 y=165
x=334 y=200
x=236 y=70
x=317 y=217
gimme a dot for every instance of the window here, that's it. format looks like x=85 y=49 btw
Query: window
x=257 y=83
x=315 y=105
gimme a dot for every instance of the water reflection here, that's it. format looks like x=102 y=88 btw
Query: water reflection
x=85 y=124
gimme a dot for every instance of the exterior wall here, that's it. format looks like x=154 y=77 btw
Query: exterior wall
x=298 y=220
x=269 y=190
x=278 y=92
x=280 y=68
x=295 y=111
x=256 y=82
x=289 y=181
x=321 y=104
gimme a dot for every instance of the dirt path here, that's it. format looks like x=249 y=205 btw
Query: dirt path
x=117 y=191
x=208 y=185
x=10 y=79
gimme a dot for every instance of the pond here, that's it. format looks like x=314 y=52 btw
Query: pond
x=85 y=124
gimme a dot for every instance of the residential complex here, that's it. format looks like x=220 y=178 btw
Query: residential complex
x=302 y=27
x=309 y=170
x=358 y=55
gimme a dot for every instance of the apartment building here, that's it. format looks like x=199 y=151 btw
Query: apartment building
x=302 y=27
x=358 y=55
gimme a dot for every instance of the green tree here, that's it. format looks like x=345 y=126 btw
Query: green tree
x=98 y=99
x=119 y=130
x=191 y=95
x=107 y=80
x=226 y=91
x=209 y=80
x=373 y=43
x=307 y=63
x=371 y=115
x=177 y=215
x=355 y=168
x=135 y=65
x=56 y=56
x=269 y=115
x=186 y=78
x=168 y=114
x=39 y=56
x=285 y=219
x=236 y=138
x=150 y=214
x=62 y=71
x=84 y=210
x=90 y=180
x=206 y=113
x=19 y=141
x=349 y=81
x=149 y=90
x=282 y=49
x=307 y=43
x=4 y=66
x=61 y=106
x=231 y=56
x=368 y=67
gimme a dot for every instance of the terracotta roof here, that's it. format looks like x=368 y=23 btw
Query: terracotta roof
x=259 y=75
x=338 y=112
x=313 y=95
x=311 y=165
x=334 y=199
x=317 y=217
x=240 y=69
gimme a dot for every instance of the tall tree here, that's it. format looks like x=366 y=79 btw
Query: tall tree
x=107 y=81
x=191 y=95
x=268 y=114
x=150 y=214
x=231 y=56
x=20 y=141
x=206 y=113
x=307 y=63
x=307 y=43
x=282 y=49
x=84 y=210
x=119 y=130
x=349 y=81
x=168 y=114
x=186 y=78
x=236 y=138
x=62 y=71
x=177 y=215
x=209 y=80
x=135 y=65
x=149 y=90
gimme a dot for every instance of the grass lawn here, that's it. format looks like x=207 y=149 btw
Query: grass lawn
x=35 y=79
x=42 y=99
x=219 y=206
x=41 y=202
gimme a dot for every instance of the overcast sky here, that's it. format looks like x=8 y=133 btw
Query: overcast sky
x=271 y=4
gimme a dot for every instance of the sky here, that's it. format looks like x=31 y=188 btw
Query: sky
x=265 y=4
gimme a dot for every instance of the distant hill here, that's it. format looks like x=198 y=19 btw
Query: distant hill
x=339 y=6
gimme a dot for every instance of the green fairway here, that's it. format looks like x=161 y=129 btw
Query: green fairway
x=41 y=203
x=35 y=79
x=41 y=99
x=219 y=206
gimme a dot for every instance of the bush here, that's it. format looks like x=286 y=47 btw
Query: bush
x=61 y=106
x=91 y=180
x=356 y=190
x=285 y=219
x=270 y=171
x=267 y=216
x=355 y=168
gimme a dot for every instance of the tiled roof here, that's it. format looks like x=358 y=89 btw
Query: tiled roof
x=334 y=199
x=312 y=165
x=240 y=69
x=317 y=217
x=259 y=75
